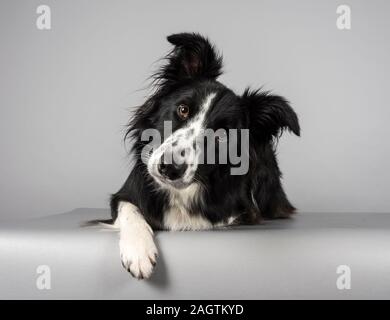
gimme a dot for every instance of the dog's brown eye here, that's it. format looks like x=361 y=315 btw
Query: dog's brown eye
x=183 y=111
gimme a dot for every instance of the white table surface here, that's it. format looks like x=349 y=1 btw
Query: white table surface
x=284 y=259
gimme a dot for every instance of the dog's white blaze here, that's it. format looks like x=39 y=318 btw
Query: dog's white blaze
x=137 y=248
x=198 y=122
x=195 y=128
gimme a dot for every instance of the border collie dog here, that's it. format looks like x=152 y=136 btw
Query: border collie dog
x=170 y=187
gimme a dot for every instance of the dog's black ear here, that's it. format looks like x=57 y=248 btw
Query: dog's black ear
x=193 y=57
x=269 y=114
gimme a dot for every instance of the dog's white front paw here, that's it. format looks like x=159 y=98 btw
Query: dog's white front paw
x=138 y=253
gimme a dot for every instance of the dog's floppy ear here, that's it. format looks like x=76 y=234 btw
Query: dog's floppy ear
x=269 y=114
x=193 y=57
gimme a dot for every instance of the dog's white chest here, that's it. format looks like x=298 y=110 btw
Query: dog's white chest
x=177 y=218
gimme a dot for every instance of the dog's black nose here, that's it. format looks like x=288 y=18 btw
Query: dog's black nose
x=173 y=170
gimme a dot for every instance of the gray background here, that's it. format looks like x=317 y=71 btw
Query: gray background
x=65 y=94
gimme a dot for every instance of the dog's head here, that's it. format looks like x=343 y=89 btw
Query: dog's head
x=191 y=116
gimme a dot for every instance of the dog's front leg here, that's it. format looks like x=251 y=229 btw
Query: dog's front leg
x=137 y=249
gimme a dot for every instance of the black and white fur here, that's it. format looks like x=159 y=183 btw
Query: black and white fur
x=200 y=196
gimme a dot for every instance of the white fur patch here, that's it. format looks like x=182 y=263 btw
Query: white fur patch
x=137 y=249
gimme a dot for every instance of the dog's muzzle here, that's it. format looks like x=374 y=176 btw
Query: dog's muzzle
x=171 y=170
